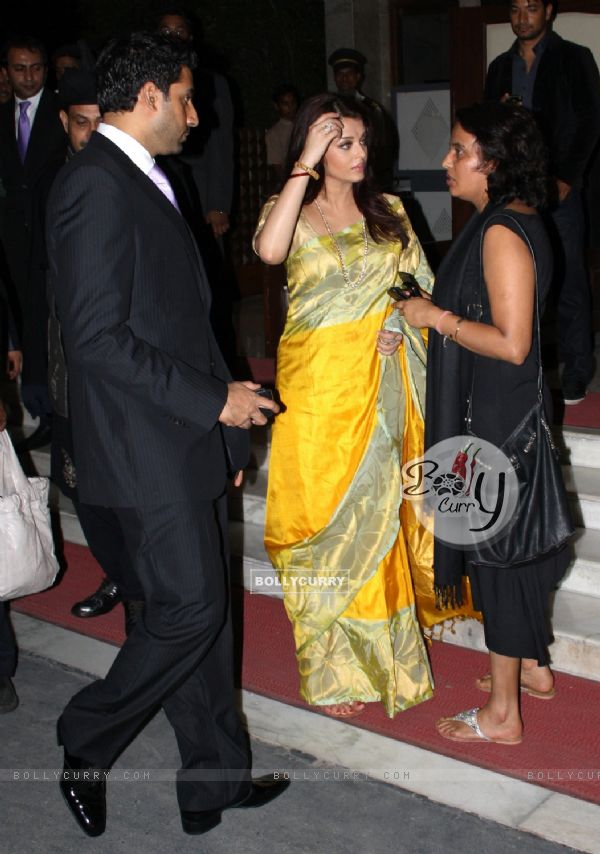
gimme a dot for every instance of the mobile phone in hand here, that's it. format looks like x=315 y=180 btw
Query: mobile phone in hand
x=409 y=287
x=268 y=393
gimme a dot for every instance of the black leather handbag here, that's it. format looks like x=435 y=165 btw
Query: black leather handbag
x=541 y=524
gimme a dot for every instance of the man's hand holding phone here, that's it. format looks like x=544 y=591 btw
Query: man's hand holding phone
x=248 y=404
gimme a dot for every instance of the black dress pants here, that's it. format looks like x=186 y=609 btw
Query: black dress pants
x=107 y=544
x=574 y=310
x=180 y=656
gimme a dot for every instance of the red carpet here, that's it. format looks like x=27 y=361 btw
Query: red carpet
x=562 y=738
x=262 y=370
x=584 y=414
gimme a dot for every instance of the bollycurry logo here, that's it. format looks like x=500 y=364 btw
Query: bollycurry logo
x=464 y=489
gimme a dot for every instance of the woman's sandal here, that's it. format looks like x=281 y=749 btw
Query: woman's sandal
x=343 y=711
x=470 y=719
x=484 y=683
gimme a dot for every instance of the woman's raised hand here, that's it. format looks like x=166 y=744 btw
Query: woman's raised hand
x=319 y=137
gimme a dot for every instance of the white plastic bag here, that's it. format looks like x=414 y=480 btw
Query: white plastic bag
x=27 y=560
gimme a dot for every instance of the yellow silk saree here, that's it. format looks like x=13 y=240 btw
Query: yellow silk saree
x=347 y=550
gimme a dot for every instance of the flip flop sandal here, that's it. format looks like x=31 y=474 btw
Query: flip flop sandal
x=470 y=719
x=484 y=683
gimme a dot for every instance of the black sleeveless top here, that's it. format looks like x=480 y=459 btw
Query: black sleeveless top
x=502 y=392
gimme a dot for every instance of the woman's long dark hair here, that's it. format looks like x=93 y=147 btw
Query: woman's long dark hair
x=383 y=224
x=510 y=140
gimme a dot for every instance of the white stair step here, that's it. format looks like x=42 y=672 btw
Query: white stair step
x=583 y=484
x=583 y=575
x=576 y=626
x=581 y=446
x=251 y=567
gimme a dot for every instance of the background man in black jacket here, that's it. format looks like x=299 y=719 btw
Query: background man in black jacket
x=559 y=81
x=32 y=139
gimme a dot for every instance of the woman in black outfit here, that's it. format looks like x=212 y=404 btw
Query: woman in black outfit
x=497 y=162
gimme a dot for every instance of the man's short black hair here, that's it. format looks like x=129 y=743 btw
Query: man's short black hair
x=128 y=62
x=30 y=43
x=554 y=4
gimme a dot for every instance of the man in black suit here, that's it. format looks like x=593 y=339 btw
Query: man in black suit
x=559 y=82
x=156 y=426
x=32 y=140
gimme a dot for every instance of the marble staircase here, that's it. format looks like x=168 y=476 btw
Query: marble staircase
x=576 y=607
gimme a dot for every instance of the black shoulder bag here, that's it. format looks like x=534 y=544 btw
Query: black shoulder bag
x=542 y=522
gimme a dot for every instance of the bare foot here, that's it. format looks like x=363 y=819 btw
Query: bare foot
x=536 y=681
x=478 y=725
x=344 y=710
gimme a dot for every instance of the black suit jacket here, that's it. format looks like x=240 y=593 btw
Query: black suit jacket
x=566 y=101
x=46 y=150
x=47 y=146
x=147 y=381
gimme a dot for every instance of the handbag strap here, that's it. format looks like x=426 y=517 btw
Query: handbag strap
x=12 y=478
x=538 y=336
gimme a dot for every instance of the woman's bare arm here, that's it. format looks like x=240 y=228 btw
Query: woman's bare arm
x=272 y=243
x=510 y=278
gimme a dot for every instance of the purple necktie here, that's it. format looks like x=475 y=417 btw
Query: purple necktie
x=158 y=177
x=24 y=130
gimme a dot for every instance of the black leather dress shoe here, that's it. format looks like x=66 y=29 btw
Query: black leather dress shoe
x=84 y=789
x=199 y=822
x=42 y=435
x=101 y=602
x=8 y=696
x=263 y=790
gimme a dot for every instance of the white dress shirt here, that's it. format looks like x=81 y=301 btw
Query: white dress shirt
x=129 y=146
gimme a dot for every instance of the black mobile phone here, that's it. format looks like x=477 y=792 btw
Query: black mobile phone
x=409 y=287
x=268 y=393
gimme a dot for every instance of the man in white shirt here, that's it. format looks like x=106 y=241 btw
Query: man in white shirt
x=156 y=429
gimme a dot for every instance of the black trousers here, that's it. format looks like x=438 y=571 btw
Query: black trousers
x=8 y=647
x=99 y=524
x=179 y=656
x=574 y=309
x=106 y=541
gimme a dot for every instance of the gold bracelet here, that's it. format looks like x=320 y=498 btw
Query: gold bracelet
x=312 y=172
x=457 y=328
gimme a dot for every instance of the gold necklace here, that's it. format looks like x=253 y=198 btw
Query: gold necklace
x=350 y=285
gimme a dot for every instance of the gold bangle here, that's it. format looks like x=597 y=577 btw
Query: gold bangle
x=312 y=172
x=457 y=328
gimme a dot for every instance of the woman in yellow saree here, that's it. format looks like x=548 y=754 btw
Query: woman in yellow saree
x=343 y=543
